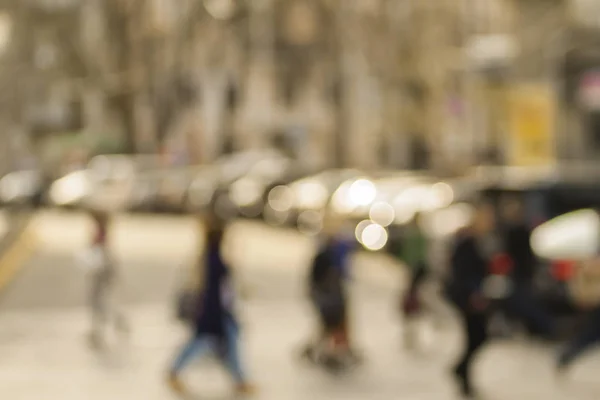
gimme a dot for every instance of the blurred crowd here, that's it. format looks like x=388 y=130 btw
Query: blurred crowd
x=488 y=256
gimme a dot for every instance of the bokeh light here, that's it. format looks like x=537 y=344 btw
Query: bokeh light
x=281 y=198
x=382 y=213
x=374 y=237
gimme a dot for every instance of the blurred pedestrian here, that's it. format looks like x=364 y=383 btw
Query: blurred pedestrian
x=522 y=304
x=215 y=327
x=414 y=253
x=465 y=288
x=586 y=339
x=327 y=287
x=104 y=303
x=585 y=290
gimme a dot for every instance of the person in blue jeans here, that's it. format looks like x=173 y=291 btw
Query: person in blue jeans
x=215 y=326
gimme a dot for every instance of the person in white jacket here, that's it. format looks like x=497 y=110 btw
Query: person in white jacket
x=105 y=310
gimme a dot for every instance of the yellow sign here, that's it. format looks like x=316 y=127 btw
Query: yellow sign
x=531 y=125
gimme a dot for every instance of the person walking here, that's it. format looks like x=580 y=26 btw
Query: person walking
x=585 y=290
x=414 y=254
x=521 y=304
x=328 y=296
x=215 y=326
x=465 y=288
x=106 y=311
x=327 y=282
x=587 y=338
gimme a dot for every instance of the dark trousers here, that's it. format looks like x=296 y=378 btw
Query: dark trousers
x=587 y=338
x=475 y=327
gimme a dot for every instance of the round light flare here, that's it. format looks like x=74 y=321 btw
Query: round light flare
x=440 y=195
x=362 y=192
x=382 y=213
x=360 y=227
x=374 y=237
x=310 y=195
x=340 y=201
x=245 y=192
x=281 y=198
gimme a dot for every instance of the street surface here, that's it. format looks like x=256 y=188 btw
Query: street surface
x=43 y=322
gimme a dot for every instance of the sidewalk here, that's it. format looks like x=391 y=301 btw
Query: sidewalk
x=43 y=322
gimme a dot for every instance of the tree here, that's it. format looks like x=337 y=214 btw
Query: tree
x=138 y=56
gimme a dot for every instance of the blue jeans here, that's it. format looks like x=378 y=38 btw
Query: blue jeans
x=200 y=345
x=586 y=339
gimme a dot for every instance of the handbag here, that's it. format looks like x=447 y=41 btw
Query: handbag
x=188 y=306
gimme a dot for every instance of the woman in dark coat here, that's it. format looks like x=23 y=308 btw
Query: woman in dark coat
x=468 y=270
x=215 y=327
x=327 y=281
x=327 y=290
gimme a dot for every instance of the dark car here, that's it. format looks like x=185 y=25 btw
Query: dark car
x=251 y=193
x=235 y=183
x=546 y=193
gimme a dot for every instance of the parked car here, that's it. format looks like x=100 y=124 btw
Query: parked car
x=171 y=188
x=251 y=193
x=549 y=195
x=21 y=187
x=304 y=202
x=235 y=183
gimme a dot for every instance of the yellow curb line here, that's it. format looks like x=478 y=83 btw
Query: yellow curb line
x=16 y=256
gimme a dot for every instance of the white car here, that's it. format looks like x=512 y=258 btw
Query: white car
x=20 y=186
x=304 y=202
